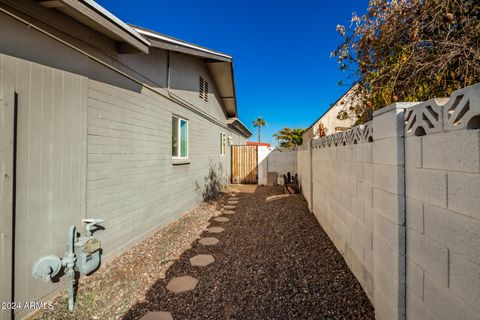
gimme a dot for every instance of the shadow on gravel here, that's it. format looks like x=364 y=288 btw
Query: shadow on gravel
x=273 y=261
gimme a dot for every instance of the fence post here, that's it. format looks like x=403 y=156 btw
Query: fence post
x=388 y=157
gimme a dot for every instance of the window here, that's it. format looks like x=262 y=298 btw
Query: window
x=179 y=137
x=223 y=144
x=203 y=89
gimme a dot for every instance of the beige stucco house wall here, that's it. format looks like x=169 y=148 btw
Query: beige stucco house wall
x=329 y=119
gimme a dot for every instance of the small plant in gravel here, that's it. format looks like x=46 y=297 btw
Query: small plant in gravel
x=212 y=183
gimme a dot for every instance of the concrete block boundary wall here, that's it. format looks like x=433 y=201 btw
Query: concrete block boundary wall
x=400 y=198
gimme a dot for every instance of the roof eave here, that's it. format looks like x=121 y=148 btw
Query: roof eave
x=238 y=126
x=89 y=13
x=158 y=40
x=219 y=64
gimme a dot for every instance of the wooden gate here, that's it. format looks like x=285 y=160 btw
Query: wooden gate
x=244 y=164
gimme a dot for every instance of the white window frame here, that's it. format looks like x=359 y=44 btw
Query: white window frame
x=180 y=119
x=223 y=144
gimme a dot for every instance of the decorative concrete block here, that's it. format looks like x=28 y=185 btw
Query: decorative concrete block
x=362 y=133
x=429 y=186
x=430 y=255
x=457 y=232
x=414 y=214
x=389 y=205
x=463 y=109
x=464 y=193
x=454 y=150
x=389 y=178
x=413 y=152
x=425 y=118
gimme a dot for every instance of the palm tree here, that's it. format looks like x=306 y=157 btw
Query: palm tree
x=259 y=122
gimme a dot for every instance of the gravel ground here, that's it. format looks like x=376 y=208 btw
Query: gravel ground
x=273 y=261
x=125 y=281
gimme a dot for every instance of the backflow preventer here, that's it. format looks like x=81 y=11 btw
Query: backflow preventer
x=83 y=256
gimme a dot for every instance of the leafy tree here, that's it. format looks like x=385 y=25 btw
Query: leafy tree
x=289 y=138
x=410 y=50
x=259 y=123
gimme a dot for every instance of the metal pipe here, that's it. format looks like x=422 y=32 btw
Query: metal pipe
x=70 y=264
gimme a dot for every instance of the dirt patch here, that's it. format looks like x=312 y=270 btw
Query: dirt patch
x=125 y=281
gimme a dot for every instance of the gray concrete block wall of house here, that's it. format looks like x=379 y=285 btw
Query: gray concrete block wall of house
x=132 y=182
x=93 y=142
x=50 y=165
x=413 y=192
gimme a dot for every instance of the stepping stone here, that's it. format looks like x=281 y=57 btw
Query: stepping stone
x=229 y=207
x=221 y=219
x=233 y=199
x=228 y=212
x=209 y=241
x=201 y=260
x=232 y=202
x=215 y=229
x=182 y=284
x=157 y=315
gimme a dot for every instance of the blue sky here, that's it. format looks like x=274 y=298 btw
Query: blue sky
x=281 y=50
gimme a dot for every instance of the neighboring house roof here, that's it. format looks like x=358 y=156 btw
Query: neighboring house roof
x=90 y=13
x=252 y=143
x=333 y=105
x=238 y=125
x=219 y=64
